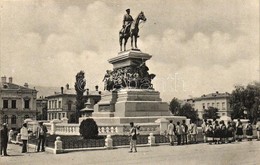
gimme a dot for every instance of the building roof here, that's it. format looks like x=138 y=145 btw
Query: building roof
x=12 y=86
x=213 y=96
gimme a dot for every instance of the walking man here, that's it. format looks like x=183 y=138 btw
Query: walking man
x=4 y=139
x=179 y=132
x=24 y=137
x=41 y=135
x=185 y=133
x=170 y=133
x=133 y=137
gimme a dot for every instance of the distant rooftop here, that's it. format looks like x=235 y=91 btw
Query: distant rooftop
x=213 y=95
x=11 y=86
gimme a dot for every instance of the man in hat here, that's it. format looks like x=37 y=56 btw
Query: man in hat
x=41 y=135
x=127 y=21
x=4 y=139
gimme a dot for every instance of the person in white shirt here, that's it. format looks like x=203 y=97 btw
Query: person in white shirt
x=193 y=132
x=258 y=129
x=170 y=133
x=24 y=137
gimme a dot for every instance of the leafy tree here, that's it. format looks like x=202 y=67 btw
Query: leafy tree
x=246 y=99
x=211 y=113
x=88 y=128
x=80 y=89
x=189 y=112
x=175 y=106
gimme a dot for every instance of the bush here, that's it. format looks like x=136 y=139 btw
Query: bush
x=88 y=129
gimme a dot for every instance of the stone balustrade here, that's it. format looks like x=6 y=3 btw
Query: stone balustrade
x=59 y=128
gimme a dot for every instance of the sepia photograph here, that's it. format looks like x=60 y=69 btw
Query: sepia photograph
x=129 y=82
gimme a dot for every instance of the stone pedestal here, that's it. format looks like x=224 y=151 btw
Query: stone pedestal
x=131 y=97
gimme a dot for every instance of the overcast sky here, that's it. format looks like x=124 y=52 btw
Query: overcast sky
x=198 y=46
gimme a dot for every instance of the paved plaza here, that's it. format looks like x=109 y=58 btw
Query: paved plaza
x=237 y=153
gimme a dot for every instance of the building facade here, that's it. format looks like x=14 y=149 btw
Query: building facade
x=216 y=100
x=41 y=108
x=62 y=104
x=17 y=103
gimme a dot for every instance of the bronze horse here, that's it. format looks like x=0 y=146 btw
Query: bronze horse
x=131 y=31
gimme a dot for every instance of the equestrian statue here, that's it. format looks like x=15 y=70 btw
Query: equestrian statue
x=130 y=29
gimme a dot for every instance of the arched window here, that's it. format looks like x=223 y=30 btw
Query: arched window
x=13 y=119
x=26 y=117
x=5 y=119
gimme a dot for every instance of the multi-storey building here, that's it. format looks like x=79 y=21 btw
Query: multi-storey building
x=63 y=104
x=17 y=103
x=216 y=100
x=41 y=108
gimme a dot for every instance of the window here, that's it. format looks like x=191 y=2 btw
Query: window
x=59 y=116
x=203 y=105
x=49 y=104
x=69 y=105
x=223 y=105
x=5 y=119
x=55 y=104
x=213 y=104
x=13 y=104
x=217 y=104
x=63 y=115
x=208 y=105
x=13 y=119
x=5 y=103
x=59 y=104
x=26 y=104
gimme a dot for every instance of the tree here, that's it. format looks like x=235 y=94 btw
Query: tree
x=175 y=106
x=189 y=112
x=80 y=89
x=211 y=113
x=88 y=128
x=246 y=99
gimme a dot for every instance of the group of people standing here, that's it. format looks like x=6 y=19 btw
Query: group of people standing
x=182 y=132
x=40 y=134
x=220 y=133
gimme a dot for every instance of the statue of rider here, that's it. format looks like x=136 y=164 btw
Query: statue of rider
x=127 y=21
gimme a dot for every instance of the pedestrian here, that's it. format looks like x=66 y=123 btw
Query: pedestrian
x=133 y=137
x=24 y=137
x=170 y=133
x=217 y=132
x=239 y=131
x=4 y=139
x=10 y=135
x=249 y=131
x=210 y=132
x=223 y=132
x=179 y=133
x=41 y=136
x=204 y=127
x=185 y=132
x=230 y=132
x=258 y=129
x=193 y=132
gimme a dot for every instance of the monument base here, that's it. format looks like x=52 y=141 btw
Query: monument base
x=131 y=103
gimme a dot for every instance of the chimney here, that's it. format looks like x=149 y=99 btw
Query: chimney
x=87 y=91
x=61 y=88
x=10 y=79
x=3 y=79
x=67 y=86
x=26 y=85
x=96 y=87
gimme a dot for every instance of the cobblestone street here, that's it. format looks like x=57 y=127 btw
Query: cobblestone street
x=237 y=153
